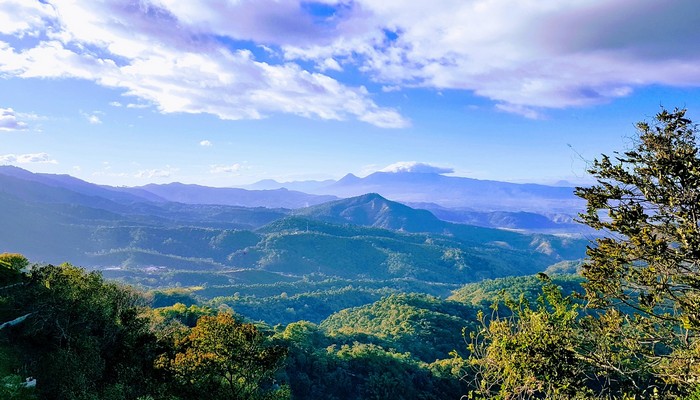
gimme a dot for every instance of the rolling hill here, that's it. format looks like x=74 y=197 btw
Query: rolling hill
x=57 y=219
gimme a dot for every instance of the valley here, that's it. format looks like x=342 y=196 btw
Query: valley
x=266 y=253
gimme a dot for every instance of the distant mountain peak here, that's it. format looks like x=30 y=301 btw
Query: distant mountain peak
x=373 y=210
x=349 y=178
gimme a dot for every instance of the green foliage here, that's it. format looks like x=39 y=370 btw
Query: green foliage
x=533 y=353
x=649 y=199
x=81 y=337
x=13 y=387
x=14 y=261
x=424 y=326
x=489 y=291
x=188 y=316
x=14 y=380
x=169 y=297
x=84 y=338
x=638 y=336
x=318 y=366
x=650 y=195
x=225 y=359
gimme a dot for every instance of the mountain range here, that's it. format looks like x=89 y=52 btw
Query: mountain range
x=445 y=191
x=56 y=218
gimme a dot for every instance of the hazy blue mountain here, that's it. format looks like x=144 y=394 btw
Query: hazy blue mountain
x=36 y=190
x=451 y=192
x=69 y=183
x=196 y=194
x=448 y=191
x=309 y=186
x=517 y=220
x=69 y=192
x=366 y=237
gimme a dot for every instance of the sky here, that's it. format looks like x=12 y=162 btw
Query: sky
x=226 y=93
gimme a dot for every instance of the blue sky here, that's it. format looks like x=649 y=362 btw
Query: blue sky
x=226 y=93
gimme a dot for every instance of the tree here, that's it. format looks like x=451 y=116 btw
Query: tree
x=225 y=359
x=83 y=337
x=637 y=336
x=648 y=200
x=532 y=353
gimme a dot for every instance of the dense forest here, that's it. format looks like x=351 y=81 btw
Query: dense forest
x=622 y=324
x=77 y=335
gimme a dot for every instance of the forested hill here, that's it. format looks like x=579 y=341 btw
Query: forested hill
x=58 y=218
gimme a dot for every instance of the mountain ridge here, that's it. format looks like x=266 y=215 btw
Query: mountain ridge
x=451 y=192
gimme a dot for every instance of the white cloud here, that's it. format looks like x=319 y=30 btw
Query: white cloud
x=137 y=105
x=205 y=143
x=32 y=158
x=330 y=64
x=391 y=88
x=93 y=119
x=115 y=104
x=9 y=121
x=226 y=169
x=21 y=17
x=416 y=167
x=523 y=55
x=524 y=111
x=165 y=54
x=110 y=174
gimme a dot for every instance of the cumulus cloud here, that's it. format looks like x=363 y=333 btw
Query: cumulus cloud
x=191 y=56
x=168 y=53
x=32 y=158
x=417 y=167
x=9 y=121
x=205 y=143
x=522 y=55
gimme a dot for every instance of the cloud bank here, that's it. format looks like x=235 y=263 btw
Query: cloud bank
x=524 y=56
x=180 y=57
x=249 y=59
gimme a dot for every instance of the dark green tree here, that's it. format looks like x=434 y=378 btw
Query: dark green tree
x=647 y=199
x=83 y=338
x=637 y=336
